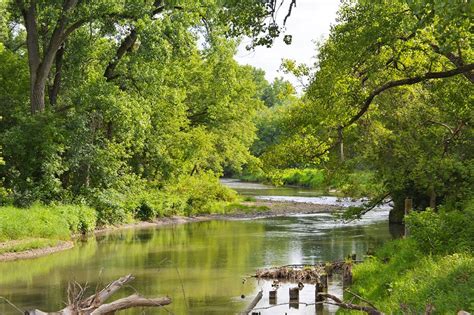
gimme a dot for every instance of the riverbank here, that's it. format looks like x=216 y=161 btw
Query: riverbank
x=432 y=268
x=243 y=210
x=50 y=248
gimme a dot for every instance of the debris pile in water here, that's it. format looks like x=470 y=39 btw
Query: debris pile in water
x=301 y=273
x=298 y=274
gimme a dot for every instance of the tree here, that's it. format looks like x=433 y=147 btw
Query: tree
x=376 y=77
x=167 y=107
x=49 y=25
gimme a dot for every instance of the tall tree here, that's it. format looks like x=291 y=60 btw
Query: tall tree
x=48 y=25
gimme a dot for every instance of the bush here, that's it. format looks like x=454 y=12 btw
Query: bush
x=80 y=218
x=150 y=205
x=200 y=194
x=313 y=178
x=110 y=206
x=444 y=232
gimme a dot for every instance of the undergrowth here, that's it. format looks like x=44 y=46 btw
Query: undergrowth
x=433 y=265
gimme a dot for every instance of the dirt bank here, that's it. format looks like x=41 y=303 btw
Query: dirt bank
x=37 y=252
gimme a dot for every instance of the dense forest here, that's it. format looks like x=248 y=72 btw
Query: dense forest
x=119 y=111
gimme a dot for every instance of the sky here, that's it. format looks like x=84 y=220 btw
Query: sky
x=309 y=22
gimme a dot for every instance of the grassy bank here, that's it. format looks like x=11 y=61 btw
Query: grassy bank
x=40 y=226
x=434 y=265
x=45 y=222
x=355 y=184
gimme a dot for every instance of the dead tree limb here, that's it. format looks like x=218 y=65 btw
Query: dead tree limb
x=252 y=305
x=94 y=304
x=130 y=302
x=349 y=306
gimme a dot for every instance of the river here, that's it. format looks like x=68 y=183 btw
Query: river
x=202 y=265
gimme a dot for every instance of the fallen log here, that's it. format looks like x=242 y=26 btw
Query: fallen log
x=349 y=306
x=95 y=304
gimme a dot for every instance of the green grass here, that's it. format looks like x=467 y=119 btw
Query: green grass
x=42 y=226
x=403 y=279
x=35 y=222
x=39 y=221
x=27 y=244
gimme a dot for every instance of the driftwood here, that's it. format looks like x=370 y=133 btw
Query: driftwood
x=252 y=304
x=337 y=301
x=94 y=304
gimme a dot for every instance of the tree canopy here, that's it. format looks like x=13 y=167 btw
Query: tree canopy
x=391 y=92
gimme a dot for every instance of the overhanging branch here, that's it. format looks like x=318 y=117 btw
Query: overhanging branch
x=407 y=81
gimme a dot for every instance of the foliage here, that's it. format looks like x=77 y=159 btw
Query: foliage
x=174 y=106
x=373 y=103
x=402 y=277
x=80 y=218
x=110 y=207
x=443 y=232
x=198 y=195
x=433 y=265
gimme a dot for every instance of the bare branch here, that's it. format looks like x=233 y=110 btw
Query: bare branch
x=130 y=302
x=368 y=309
x=290 y=8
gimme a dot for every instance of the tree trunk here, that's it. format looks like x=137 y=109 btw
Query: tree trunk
x=40 y=66
x=341 y=143
x=432 y=198
x=53 y=93
x=37 y=96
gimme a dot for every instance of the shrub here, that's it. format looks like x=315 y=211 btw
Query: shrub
x=201 y=194
x=150 y=205
x=80 y=218
x=443 y=232
x=110 y=206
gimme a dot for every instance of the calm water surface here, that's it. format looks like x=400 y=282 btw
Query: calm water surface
x=200 y=265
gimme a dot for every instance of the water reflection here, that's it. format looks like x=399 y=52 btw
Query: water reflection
x=206 y=260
